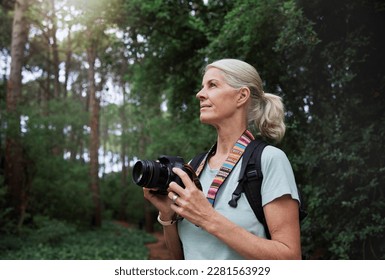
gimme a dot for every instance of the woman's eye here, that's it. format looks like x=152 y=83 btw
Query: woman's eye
x=212 y=85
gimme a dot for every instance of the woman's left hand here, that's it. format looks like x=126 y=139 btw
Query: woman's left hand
x=191 y=203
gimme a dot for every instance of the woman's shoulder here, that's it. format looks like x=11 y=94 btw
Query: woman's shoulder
x=272 y=153
x=273 y=159
x=278 y=175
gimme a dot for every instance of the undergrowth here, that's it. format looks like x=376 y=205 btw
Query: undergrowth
x=57 y=240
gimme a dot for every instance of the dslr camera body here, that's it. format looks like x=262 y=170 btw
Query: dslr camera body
x=158 y=174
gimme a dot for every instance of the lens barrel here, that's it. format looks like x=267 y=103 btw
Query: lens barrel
x=156 y=174
x=142 y=172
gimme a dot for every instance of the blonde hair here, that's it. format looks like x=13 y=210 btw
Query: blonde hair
x=266 y=111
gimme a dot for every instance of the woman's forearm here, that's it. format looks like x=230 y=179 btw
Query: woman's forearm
x=173 y=242
x=247 y=244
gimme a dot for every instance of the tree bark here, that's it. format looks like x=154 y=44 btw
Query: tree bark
x=14 y=167
x=55 y=52
x=94 y=139
x=123 y=155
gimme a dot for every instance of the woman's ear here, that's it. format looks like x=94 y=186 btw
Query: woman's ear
x=244 y=94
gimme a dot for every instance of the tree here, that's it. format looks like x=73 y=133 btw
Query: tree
x=94 y=46
x=96 y=24
x=15 y=169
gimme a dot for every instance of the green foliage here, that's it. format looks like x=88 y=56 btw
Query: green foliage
x=122 y=202
x=340 y=157
x=5 y=26
x=59 y=187
x=169 y=63
x=62 y=194
x=179 y=138
x=56 y=240
x=6 y=225
x=347 y=207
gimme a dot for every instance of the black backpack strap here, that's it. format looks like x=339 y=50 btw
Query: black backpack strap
x=250 y=181
x=302 y=207
x=195 y=162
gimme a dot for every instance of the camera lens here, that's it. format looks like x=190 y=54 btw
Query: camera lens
x=158 y=174
x=151 y=174
x=142 y=172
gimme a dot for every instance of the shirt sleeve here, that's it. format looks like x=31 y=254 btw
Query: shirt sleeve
x=278 y=176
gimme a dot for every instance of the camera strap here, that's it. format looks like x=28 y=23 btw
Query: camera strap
x=227 y=166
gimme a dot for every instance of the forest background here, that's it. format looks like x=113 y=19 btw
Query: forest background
x=95 y=85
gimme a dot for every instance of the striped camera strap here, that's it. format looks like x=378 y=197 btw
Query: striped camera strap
x=228 y=165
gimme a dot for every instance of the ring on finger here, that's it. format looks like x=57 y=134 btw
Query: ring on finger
x=174 y=198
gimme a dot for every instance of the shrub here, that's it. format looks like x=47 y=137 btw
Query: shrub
x=57 y=240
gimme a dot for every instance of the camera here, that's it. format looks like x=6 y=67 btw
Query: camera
x=158 y=174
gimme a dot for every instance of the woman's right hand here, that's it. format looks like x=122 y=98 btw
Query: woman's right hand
x=161 y=202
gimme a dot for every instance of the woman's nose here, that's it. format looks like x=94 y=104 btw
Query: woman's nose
x=200 y=94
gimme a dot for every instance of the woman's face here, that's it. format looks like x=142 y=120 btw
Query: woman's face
x=218 y=100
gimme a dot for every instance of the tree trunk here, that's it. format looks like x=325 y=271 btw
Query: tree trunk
x=14 y=169
x=55 y=52
x=68 y=61
x=94 y=107
x=123 y=155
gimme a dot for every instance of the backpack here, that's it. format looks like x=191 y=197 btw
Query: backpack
x=250 y=181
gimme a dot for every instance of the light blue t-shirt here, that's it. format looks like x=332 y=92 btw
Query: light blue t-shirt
x=278 y=180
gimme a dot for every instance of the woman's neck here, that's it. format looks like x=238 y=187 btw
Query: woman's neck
x=225 y=142
x=227 y=138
